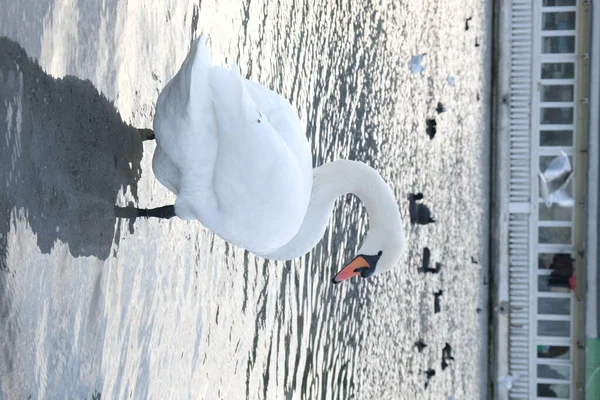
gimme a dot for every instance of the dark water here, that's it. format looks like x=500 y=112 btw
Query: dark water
x=90 y=304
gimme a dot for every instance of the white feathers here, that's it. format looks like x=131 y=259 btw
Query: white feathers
x=236 y=155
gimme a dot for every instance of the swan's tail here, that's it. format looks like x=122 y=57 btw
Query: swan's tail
x=200 y=51
x=230 y=96
x=199 y=89
x=201 y=40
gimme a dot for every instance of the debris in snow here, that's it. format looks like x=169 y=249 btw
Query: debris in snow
x=416 y=64
x=440 y=108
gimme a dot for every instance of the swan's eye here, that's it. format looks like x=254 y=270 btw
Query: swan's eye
x=367 y=272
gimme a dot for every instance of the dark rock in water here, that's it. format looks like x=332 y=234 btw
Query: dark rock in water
x=419 y=213
x=420 y=345
x=444 y=364
x=424 y=215
x=446 y=356
x=426 y=261
x=436 y=301
x=418 y=196
x=412 y=206
x=467 y=23
x=431 y=128
x=447 y=352
x=440 y=108
x=436 y=305
x=428 y=375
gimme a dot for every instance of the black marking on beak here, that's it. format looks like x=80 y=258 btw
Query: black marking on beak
x=367 y=272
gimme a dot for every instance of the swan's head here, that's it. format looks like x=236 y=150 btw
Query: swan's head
x=380 y=252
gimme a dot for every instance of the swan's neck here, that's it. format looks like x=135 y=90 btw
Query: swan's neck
x=334 y=180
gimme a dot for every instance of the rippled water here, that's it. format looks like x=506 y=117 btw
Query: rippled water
x=90 y=304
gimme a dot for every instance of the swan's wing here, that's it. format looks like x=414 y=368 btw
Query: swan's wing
x=183 y=120
x=262 y=186
x=278 y=111
x=283 y=117
x=241 y=105
x=185 y=128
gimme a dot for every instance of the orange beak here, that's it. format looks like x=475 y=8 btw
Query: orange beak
x=350 y=270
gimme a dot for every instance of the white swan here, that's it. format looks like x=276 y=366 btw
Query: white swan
x=236 y=155
x=554 y=181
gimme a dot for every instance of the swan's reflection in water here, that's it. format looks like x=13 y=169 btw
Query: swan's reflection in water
x=66 y=154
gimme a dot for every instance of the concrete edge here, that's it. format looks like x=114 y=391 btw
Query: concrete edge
x=499 y=317
x=591 y=300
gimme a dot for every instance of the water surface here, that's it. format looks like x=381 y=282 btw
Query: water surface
x=90 y=304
